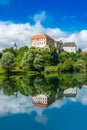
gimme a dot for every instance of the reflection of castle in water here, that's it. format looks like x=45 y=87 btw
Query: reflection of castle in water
x=43 y=100
x=40 y=100
x=70 y=92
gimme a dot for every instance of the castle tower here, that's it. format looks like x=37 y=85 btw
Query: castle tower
x=15 y=46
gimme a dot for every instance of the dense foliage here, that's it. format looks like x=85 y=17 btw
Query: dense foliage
x=34 y=59
x=39 y=84
x=7 y=61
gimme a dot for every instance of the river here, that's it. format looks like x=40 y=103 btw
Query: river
x=43 y=102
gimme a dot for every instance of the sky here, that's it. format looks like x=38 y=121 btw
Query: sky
x=64 y=20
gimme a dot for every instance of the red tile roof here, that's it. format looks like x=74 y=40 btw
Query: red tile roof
x=40 y=105
x=41 y=36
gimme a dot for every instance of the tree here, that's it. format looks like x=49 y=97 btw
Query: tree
x=81 y=65
x=53 y=56
x=27 y=60
x=79 y=50
x=0 y=54
x=8 y=61
x=9 y=50
x=63 y=56
x=46 y=56
x=69 y=65
x=39 y=62
x=60 y=67
x=19 y=55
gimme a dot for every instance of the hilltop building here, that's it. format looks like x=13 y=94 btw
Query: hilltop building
x=14 y=46
x=59 y=46
x=70 y=47
x=42 y=41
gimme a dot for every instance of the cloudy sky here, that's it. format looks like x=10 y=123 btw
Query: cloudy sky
x=61 y=19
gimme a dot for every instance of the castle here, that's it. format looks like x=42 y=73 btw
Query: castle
x=45 y=41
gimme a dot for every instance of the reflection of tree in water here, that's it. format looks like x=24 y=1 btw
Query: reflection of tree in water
x=8 y=86
x=27 y=85
x=34 y=85
x=46 y=85
x=66 y=81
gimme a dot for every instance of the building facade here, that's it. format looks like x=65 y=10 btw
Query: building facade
x=59 y=46
x=42 y=41
x=70 y=47
x=40 y=100
x=70 y=92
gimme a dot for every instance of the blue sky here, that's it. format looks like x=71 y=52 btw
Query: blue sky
x=67 y=17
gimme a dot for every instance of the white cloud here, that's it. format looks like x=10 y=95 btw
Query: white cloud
x=40 y=16
x=80 y=38
x=22 y=33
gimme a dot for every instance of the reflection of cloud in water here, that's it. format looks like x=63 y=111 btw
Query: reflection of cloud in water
x=23 y=105
x=82 y=95
x=41 y=119
x=20 y=105
x=58 y=104
x=15 y=105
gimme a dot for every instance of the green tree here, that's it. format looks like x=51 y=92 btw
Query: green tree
x=81 y=65
x=19 y=55
x=63 y=56
x=53 y=56
x=60 y=67
x=9 y=50
x=0 y=54
x=79 y=50
x=69 y=65
x=27 y=61
x=7 y=61
x=46 y=56
x=39 y=62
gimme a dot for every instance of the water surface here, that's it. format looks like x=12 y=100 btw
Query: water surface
x=64 y=112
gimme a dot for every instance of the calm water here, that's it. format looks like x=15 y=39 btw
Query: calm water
x=64 y=112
